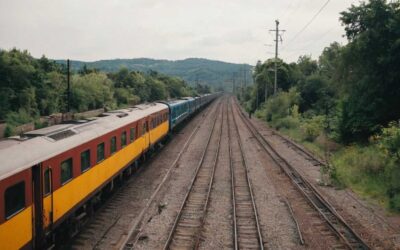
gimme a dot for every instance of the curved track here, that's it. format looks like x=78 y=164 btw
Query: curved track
x=337 y=224
x=247 y=232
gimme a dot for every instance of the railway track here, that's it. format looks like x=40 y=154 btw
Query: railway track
x=293 y=145
x=186 y=230
x=336 y=223
x=109 y=215
x=247 y=233
x=135 y=231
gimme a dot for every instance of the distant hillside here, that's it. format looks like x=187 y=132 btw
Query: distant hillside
x=214 y=73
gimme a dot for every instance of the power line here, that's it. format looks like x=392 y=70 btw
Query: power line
x=289 y=14
x=286 y=10
x=308 y=24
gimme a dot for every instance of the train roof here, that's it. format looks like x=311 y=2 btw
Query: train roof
x=22 y=152
x=189 y=98
x=175 y=102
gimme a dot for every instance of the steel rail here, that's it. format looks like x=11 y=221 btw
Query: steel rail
x=249 y=185
x=134 y=231
x=192 y=185
x=313 y=196
x=308 y=155
x=299 y=149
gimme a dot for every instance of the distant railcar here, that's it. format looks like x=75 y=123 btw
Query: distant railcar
x=179 y=111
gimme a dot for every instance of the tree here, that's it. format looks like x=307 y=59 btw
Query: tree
x=371 y=61
x=306 y=65
x=92 y=91
x=157 y=89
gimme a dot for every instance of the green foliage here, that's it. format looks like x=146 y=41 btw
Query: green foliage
x=389 y=143
x=371 y=61
x=372 y=170
x=157 y=89
x=18 y=118
x=313 y=127
x=288 y=122
x=306 y=65
x=202 y=89
x=350 y=95
x=9 y=131
x=281 y=105
x=31 y=87
x=361 y=168
x=216 y=74
x=315 y=94
x=281 y=111
x=390 y=140
x=91 y=91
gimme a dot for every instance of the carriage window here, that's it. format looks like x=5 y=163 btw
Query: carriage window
x=123 y=139
x=66 y=170
x=100 y=152
x=113 y=145
x=85 y=160
x=14 y=198
x=47 y=188
x=132 y=134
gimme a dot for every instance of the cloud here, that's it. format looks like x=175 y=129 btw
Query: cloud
x=230 y=30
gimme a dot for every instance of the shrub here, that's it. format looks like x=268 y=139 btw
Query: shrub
x=9 y=131
x=390 y=140
x=312 y=128
x=18 y=118
x=394 y=202
x=288 y=122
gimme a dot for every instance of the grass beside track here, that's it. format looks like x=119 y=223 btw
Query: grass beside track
x=365 y=169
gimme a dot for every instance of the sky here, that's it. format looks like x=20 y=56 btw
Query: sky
x=228 y=30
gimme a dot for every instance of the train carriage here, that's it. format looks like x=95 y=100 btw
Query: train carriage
x=51 y=175
x=52 y=178
x=191 y=103
x=179 y=111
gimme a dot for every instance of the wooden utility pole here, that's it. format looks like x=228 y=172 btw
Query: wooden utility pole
x=277 y=30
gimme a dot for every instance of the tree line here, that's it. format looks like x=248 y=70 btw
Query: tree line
x=31 y=87
x=350 y=95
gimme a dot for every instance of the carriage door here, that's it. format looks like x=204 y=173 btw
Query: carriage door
x=146 y=131
x=38 y=206
x=47 y=187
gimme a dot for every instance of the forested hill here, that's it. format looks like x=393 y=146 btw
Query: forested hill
x=191 y=70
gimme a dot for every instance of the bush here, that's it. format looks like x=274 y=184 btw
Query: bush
x=9 y=131
x=18 y=118
x=312 y=128
x=394 y=202
x=288 y=122
x=372 y=170
x=390 y=140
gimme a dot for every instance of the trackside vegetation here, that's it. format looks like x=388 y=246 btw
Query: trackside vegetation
x=344 y=106
x=30 y=88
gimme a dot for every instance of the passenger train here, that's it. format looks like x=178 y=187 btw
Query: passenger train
x=52 y=178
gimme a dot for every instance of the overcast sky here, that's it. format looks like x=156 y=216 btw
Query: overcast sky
x=227 y=30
